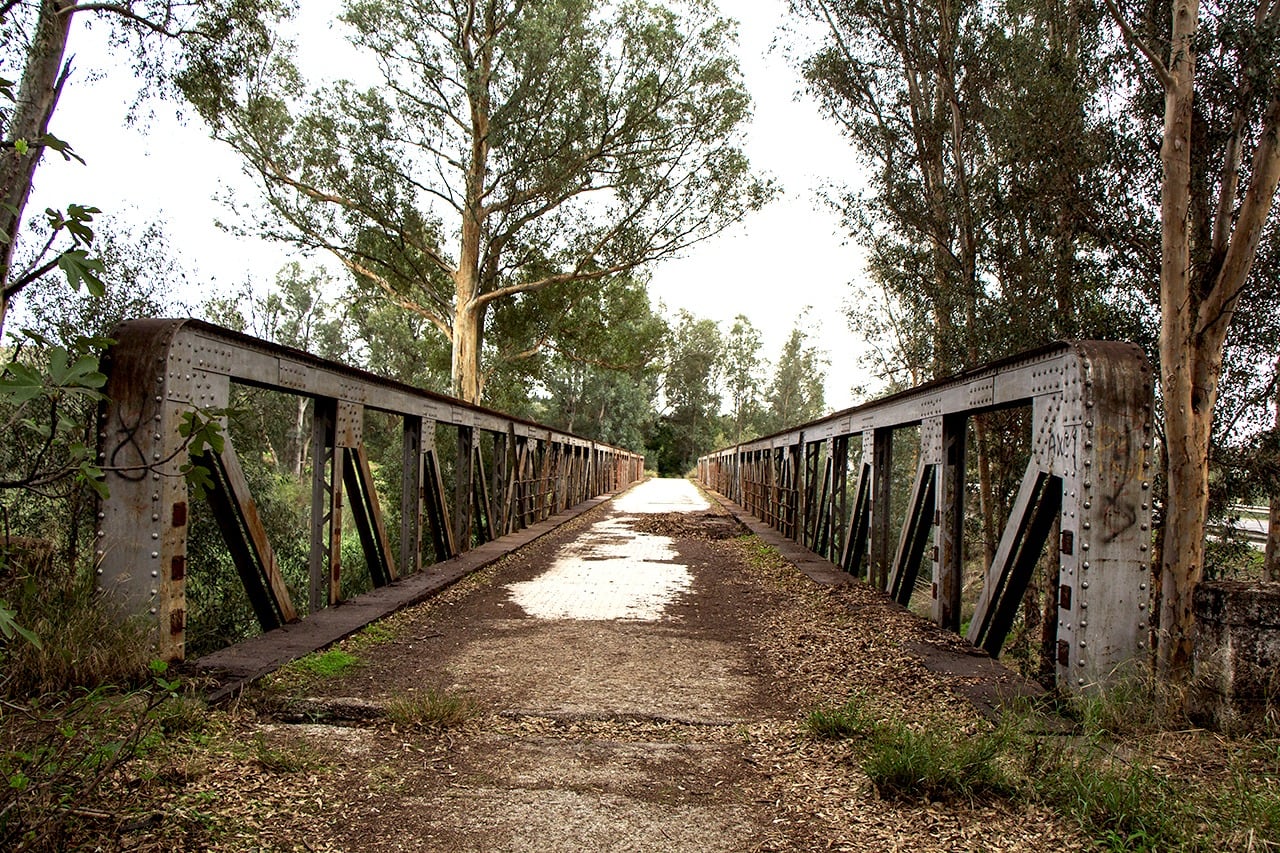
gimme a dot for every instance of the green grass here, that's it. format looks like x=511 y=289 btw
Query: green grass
x=1101 y=777
x=850 y=720
x=330 y=663
x=929 y=762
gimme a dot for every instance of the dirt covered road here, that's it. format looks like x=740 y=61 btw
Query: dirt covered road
x=638 y=680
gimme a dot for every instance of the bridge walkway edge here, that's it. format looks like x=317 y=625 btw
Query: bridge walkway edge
x=233 y=668
x=988 y=684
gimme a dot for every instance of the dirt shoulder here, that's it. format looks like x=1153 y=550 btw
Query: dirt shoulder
x=465 y=724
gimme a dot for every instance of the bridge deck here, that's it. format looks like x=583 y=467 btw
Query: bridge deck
x=641 y=676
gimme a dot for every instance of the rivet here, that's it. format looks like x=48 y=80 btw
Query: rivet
x=155 y=457
x=1084 y=625
x=155 y=516
x=1142 y=586
x=154 y=591
x=1088 y=424
x=1084 y=546
x=155 y=574
x=155 y=496
x=155 y=554
x=99 y=572
x=101 y=533
x=100 y=555
x=1081 y=642
x=1144 y=506
x=1142 y=547
x=1142 y=645
x=155 y=535
x=1086 y=525
x=1142 y=626
x=1086 y=564
x=102 y=515
x=1145 y=484
x=1088 y=484
x=155 y=477
x=1142 y=526
x=1088 y=504
x=1080 y=682
x=1142 y=606
x=159 y=399
x=157 y=436
x=1084 y=584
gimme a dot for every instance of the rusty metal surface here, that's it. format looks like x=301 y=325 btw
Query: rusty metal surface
x=162 y=370
x=1091 y=404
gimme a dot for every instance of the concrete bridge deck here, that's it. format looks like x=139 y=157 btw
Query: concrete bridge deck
x=638 y=681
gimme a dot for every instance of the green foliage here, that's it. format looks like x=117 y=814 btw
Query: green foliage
x=795 y=396
x=11 y=630
x=57 y=749
x=690 y=426
x=46 y=393
x=80 y=642
x=597 y=160
x=432 y=709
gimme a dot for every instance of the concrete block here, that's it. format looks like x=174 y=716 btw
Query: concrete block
x=1237 y=659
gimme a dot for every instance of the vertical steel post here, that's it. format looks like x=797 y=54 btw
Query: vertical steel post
x=948 y=530
x=878 y=453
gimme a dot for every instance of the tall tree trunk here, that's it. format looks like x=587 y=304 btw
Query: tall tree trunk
x=1188 y=408
x=1272 y=558
x=42 y=77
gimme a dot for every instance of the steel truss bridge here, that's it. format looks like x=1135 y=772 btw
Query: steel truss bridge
x=1088 y=478
x=160 y=372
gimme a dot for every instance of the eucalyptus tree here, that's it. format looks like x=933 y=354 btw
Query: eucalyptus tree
x=1214 y=66
x=795 y=395
x=689 y=425
x=603 y=367
x=163 y=37
x=511 y=146
x=743 y=365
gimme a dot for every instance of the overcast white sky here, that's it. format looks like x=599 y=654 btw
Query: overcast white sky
x=770 y=267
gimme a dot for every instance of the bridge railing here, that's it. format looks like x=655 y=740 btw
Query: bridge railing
x=1089 y=478
x=160 y=372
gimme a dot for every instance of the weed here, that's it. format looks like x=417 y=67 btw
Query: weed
x=1126 y=808
x=80 y=642
x=847 y=721
x=432 y=709
x=935 y=763
x=932 y=763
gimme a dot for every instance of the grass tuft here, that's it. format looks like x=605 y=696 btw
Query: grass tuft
x=850 y=720
x=432 y=709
